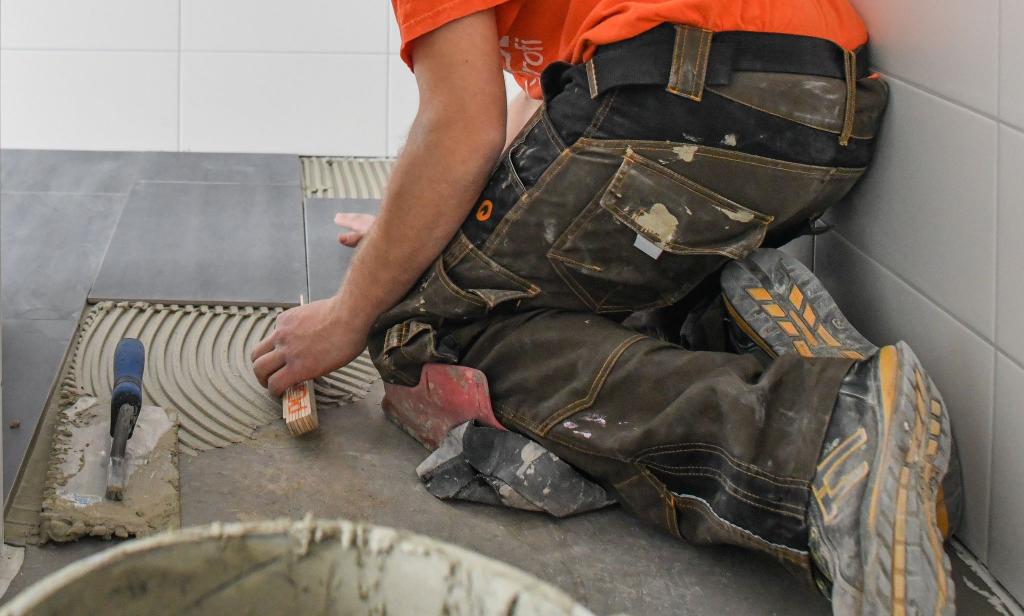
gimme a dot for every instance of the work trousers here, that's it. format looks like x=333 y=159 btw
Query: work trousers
x=622 y=199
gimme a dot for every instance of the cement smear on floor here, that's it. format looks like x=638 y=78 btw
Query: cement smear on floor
x=73 y=499
x=197 y=365
x=339 y=178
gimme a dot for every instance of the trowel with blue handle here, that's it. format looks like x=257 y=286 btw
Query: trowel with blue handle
x=125 y=405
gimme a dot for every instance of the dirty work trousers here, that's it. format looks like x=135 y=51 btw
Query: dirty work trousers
x=623 y=197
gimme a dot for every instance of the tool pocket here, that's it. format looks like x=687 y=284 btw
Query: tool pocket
x=462 y=285
x=469 y=273
x=650 y=237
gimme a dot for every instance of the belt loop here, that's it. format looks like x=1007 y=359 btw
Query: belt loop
x=689 y=62
x=850 y=68
x=592 y=78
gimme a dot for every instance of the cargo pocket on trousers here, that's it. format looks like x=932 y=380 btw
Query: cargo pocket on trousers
x=471 y=272
x=650 y=237
x=461 y=286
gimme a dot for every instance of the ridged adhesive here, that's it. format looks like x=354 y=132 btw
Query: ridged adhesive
x=341 y=178
x=197 y=363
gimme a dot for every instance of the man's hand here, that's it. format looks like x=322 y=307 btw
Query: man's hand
x=309 y=341
x=452 y=145
x=358 y=225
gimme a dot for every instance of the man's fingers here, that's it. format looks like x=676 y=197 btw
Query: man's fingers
x=262 y=348
x=350 y=239
x=280 y=381
x=267 y=365
x=356 y=222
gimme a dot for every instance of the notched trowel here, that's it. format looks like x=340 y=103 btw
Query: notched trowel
x=125 y=405
x=113 y=470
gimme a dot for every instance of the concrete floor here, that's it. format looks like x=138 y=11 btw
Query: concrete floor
x=359 y=466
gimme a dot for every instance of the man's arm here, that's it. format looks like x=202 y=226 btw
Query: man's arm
x=458 y=133
x=520 y=109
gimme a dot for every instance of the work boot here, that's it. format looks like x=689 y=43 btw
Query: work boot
x=874 y=532
x=776 y=306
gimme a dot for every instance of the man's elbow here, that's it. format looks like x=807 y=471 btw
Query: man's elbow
x=481 y=132
x=492 y=138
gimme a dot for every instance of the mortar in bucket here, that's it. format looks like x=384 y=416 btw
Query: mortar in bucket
x=291 y=567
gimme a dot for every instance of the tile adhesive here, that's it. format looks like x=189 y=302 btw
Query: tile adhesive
x=197 y=363
x=339 y=178
x=199 y=381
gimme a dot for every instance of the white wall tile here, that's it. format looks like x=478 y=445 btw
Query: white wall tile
x=886 y=310
x=95 y=24
x=394 y=34
x=803 y=249
x=947 y=46
x=1010 y=260
x=926 y=210
x=1006 y=552
x=291 y=103
x=279 y=25
x=91 y=100
x=403 y=100
x=1011 y=63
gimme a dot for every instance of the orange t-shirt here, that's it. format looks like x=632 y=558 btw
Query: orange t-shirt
x=534 y=33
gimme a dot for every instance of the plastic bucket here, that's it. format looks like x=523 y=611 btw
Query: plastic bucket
x=288 y=567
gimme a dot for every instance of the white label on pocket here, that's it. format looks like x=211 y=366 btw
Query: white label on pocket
x=647 y=247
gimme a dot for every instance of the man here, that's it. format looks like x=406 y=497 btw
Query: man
x=656 y=142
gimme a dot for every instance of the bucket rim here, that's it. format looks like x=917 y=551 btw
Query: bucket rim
x=305 y=532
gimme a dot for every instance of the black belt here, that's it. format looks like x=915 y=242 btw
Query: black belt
x=649 y=57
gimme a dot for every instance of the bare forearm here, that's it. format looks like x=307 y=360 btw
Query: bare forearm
x=433 y=187
x=457 y=134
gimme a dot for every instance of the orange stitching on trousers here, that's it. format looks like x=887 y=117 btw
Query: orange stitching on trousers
x=745 y=537
x=678 y=448
x=746 y=496
x=595 y=387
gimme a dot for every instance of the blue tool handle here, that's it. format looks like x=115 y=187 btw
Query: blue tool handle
x=129 y=362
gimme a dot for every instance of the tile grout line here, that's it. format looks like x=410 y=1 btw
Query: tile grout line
x=995 y=306
x=944 y=98
x=210 y=182
x=1013 y=360
x=982 y=571
x=63 y=192
x=387 y=79
x=179 y=78
x=106 y=249
x=914 y=288
x=305 y=241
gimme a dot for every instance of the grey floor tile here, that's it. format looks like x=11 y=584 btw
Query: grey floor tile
x=53 y=244
x=204 y=167
x=67 y=171
x=359 y=466
x=327 y=260
x=207 y=242
x=32 y=353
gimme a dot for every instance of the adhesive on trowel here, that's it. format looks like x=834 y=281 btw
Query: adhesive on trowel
x=88 y=448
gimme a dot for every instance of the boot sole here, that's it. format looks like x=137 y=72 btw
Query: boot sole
x=906 y=570
x=777 y=302
x=783 y=307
